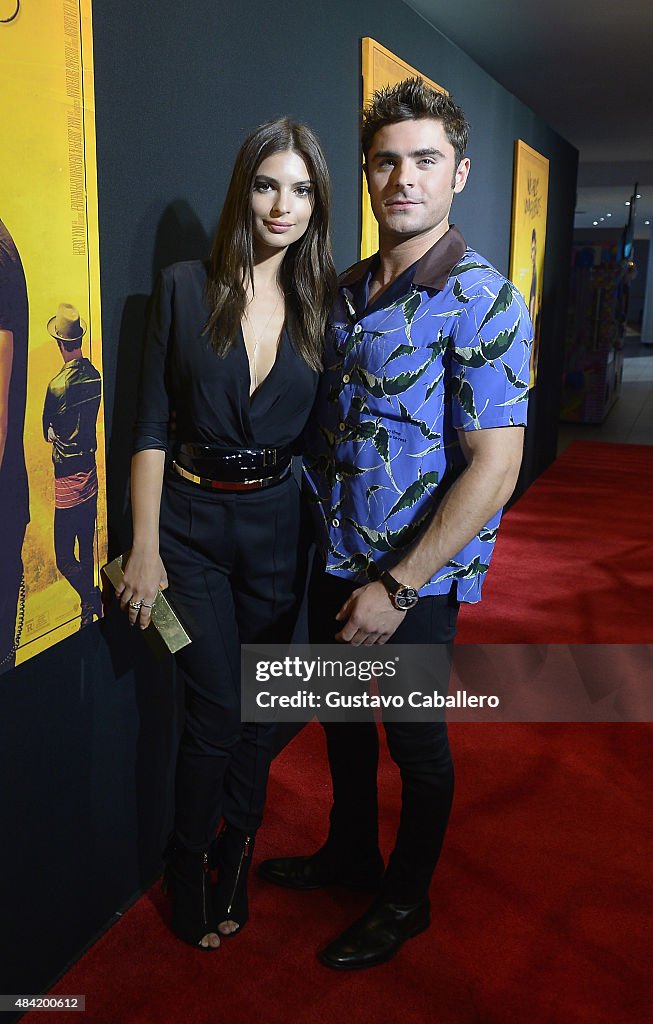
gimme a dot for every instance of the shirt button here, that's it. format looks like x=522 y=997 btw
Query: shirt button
x=342 y=426
x=357 y=329
x=335 y=522
x=339 y=477
x=346 y=378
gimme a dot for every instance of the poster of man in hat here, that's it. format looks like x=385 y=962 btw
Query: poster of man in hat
x=72 y=402
x=51 y=347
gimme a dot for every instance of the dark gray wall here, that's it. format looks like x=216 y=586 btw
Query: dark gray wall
x=90 y=723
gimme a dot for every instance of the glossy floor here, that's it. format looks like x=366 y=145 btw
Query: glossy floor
x=630 y=421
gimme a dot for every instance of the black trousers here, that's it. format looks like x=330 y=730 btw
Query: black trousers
x=236 y=575
x=75 y=527
x=419 y=749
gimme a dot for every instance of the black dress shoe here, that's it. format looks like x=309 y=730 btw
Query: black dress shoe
x=377 y=936
x=316 y=872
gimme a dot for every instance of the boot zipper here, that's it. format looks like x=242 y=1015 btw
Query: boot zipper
x=244 y=853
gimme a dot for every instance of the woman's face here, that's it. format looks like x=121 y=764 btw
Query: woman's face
x=282 y=201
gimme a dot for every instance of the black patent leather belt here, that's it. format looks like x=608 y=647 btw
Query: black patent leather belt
x=232 y=469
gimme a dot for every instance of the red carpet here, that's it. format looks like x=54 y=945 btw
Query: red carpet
x=574 y=557
x=541 y=901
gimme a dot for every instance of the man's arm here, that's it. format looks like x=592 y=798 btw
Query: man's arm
x=493 y=460
x=6 y=363
x=48 y=429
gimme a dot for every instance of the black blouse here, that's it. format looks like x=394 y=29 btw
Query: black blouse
x=209 y=395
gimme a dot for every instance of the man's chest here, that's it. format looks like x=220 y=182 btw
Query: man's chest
x=398 y=353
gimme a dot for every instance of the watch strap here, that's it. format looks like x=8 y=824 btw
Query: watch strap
x=390 y=583
x=401 y=596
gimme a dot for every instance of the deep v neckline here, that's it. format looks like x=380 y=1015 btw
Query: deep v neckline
x=252 y=394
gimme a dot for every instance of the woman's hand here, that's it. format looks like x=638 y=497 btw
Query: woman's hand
x=144 y=575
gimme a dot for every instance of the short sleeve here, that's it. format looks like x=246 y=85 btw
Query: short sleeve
x=491 y=358
x=151 y=429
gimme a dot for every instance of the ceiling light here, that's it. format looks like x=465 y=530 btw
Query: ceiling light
x=638 y=196
x=595 y=222
x=647 y=222
x=627 y=203
x=601 y=218
x=608 y=214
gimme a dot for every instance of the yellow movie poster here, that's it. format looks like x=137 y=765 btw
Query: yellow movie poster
x=529 y=201
x=52 y=471
x=381 y=67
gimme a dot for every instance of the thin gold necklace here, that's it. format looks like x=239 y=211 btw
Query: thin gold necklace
x=257 y=339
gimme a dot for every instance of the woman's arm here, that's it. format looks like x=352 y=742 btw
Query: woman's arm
x=144 y=573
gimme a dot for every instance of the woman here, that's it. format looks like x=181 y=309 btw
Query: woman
x=231 y=355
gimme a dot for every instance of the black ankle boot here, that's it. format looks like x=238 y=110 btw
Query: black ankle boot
x=188 y=880
x=232 y=856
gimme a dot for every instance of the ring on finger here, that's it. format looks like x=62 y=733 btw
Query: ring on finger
x=144 y=604
x=135 y=604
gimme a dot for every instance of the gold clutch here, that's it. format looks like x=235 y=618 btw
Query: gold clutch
x=164 y=619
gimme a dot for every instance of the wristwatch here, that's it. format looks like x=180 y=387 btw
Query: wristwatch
x=402 y=597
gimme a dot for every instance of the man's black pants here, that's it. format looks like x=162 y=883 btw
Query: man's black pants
x=419 y=749
x=76 y=526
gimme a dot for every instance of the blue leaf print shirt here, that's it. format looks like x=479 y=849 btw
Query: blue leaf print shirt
x=445 y=348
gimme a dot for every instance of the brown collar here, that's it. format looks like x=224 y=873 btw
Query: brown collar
x=431 y=271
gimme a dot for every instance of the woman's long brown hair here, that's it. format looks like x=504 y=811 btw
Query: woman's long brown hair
x=307 y=275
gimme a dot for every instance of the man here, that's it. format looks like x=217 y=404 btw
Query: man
x=70 y=413
x=14 y=495
x=414 y=447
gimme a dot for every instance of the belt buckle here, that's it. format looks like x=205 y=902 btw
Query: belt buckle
x=269 y=456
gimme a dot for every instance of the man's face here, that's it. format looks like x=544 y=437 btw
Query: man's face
x=412 y=179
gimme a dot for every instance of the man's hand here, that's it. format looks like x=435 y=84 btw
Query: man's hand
x=369 y=617
x=51 y=434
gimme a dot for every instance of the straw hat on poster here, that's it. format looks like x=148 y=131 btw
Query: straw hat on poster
x=66 y=324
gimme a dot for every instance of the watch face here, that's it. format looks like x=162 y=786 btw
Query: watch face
x=405 y=597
